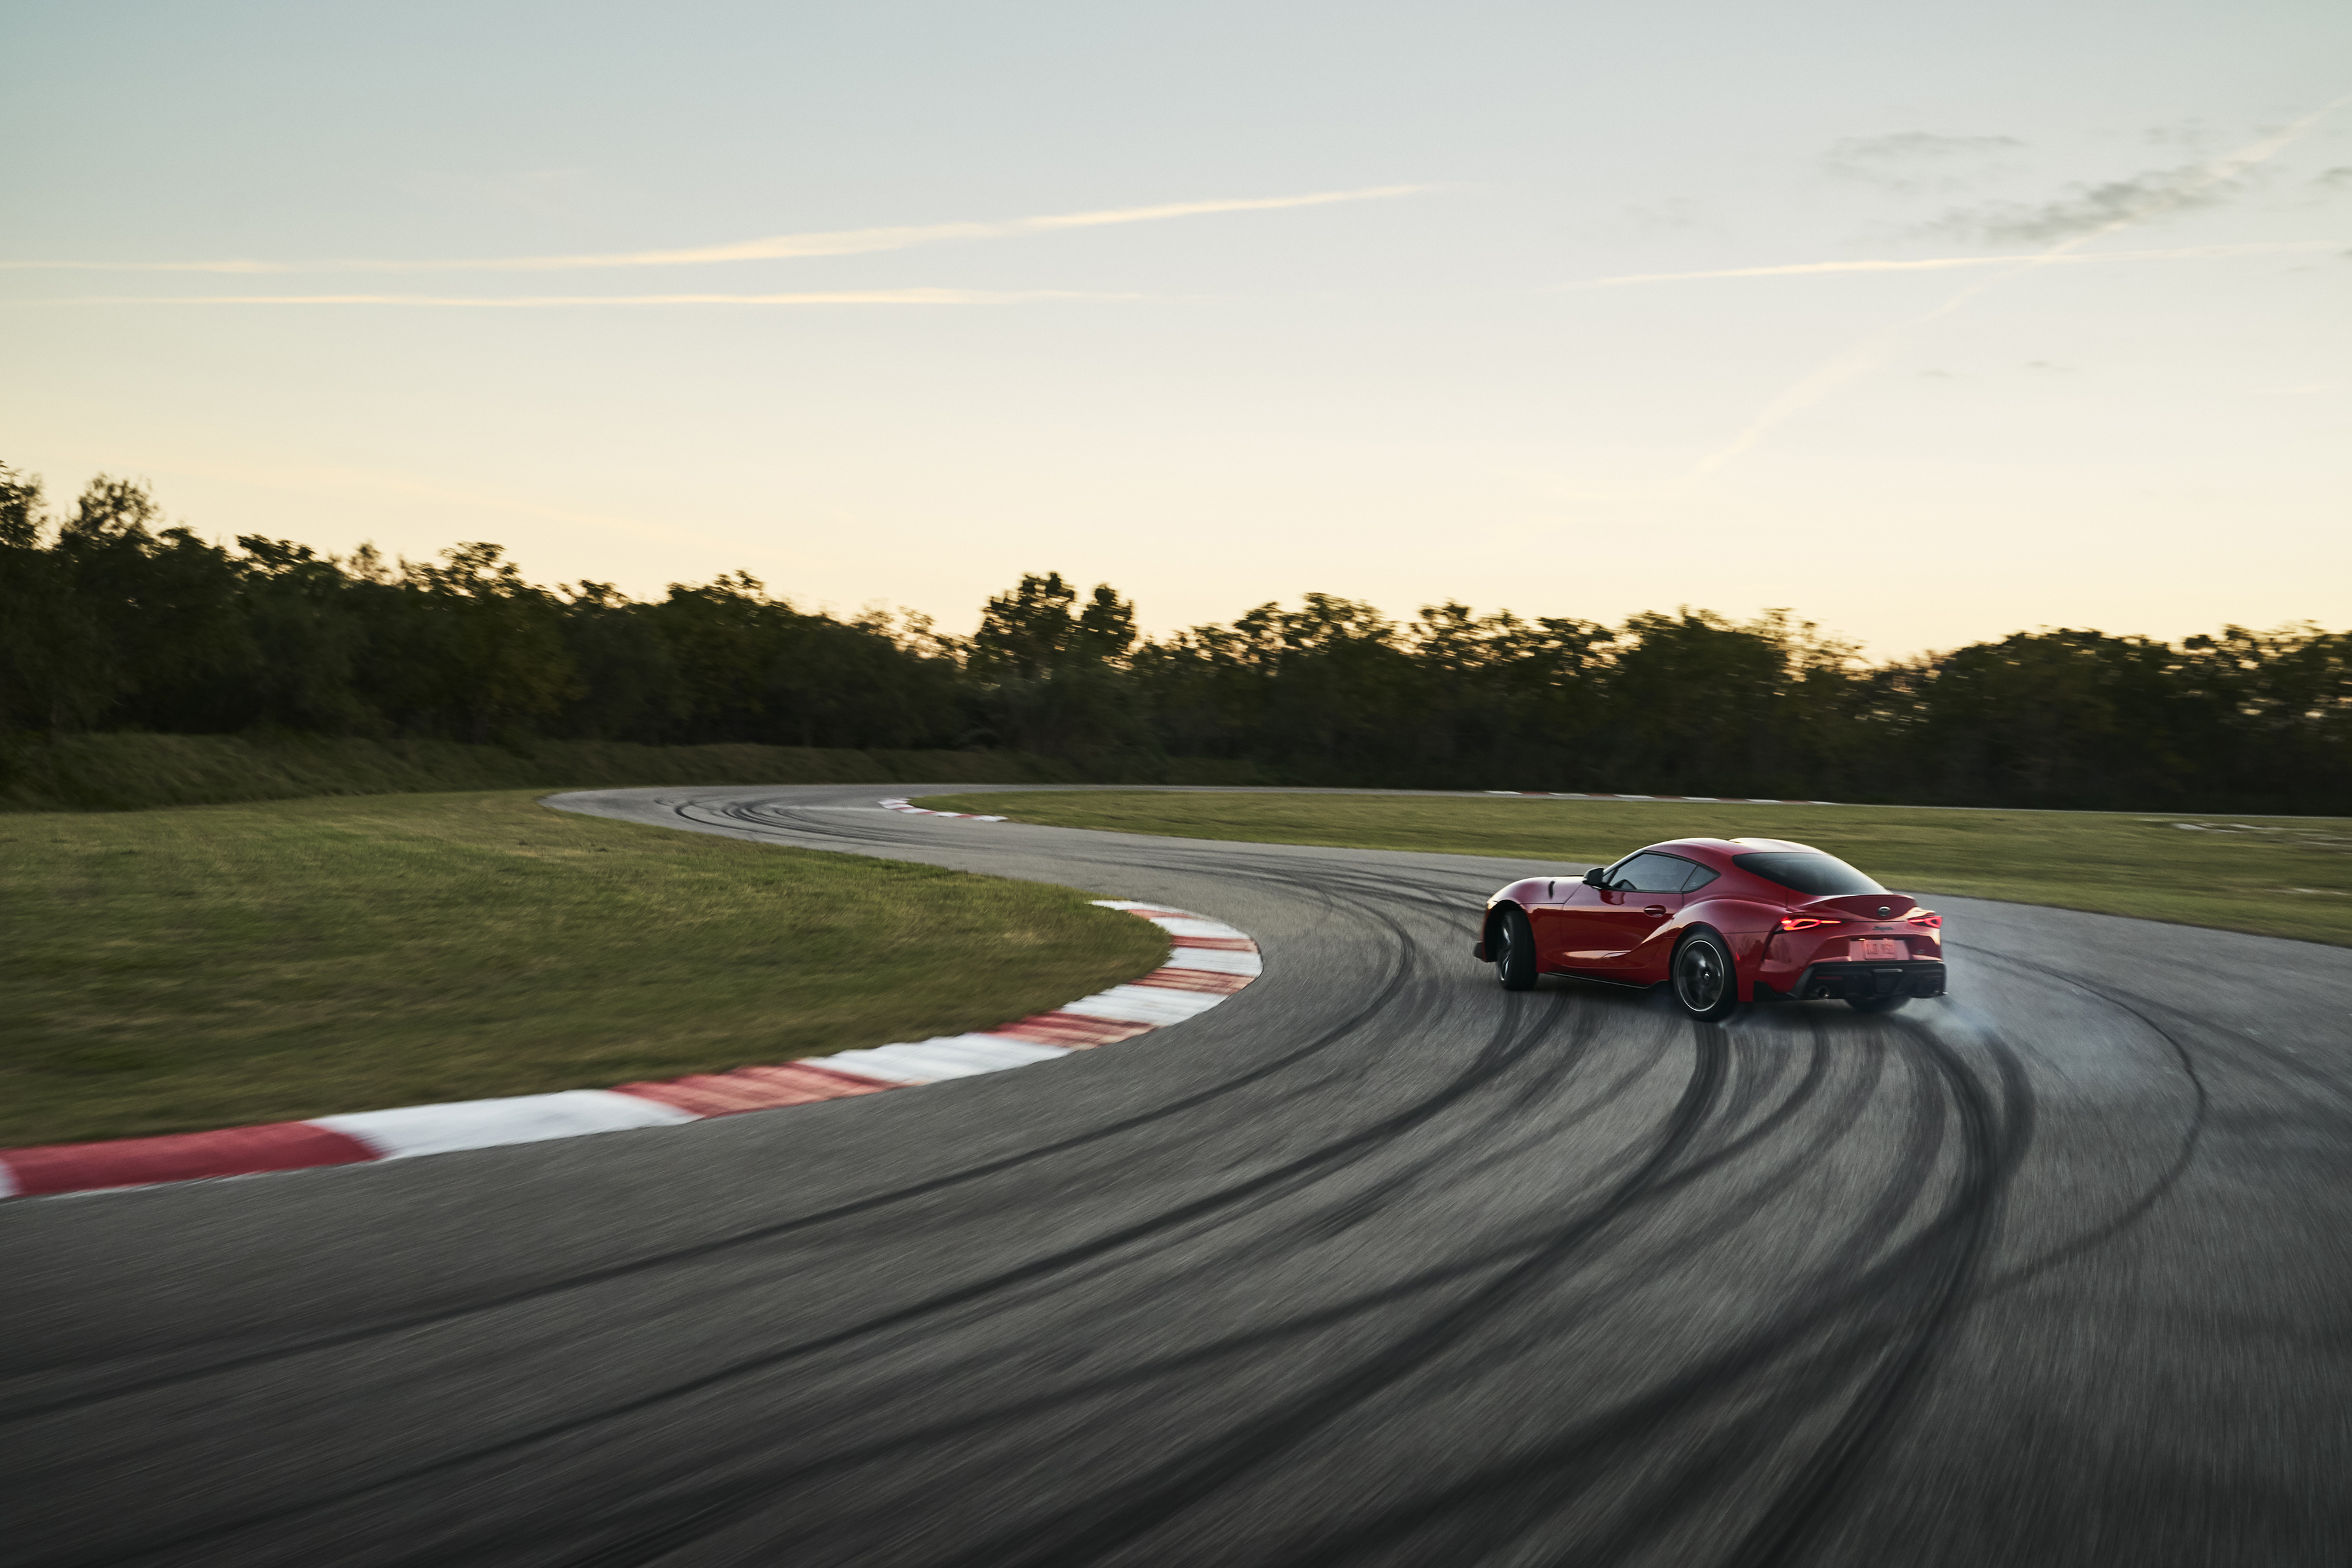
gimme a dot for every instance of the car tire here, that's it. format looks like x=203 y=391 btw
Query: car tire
x=1705 y=983
x=1876 y=1004
x=1515 y=954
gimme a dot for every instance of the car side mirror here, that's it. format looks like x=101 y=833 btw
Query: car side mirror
x=1597 y=876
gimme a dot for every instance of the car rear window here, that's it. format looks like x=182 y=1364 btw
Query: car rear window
x=1822 y=876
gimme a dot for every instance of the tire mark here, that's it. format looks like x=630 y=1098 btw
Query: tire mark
x=1336 y=1153
x=1378 y=1001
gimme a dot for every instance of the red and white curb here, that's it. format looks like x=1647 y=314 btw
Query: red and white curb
x=1211 y=961
x=1701 y=799
x=899 y=803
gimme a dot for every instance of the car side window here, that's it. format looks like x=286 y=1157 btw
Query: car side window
x=1700 y=877
x=1648 y=873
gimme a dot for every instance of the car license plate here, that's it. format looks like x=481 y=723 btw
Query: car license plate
x=1878 y=950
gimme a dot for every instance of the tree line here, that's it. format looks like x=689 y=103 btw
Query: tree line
x=111 y=620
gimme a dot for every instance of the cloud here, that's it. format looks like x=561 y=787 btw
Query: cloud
x=2194 y=137
x=774 y=248
x=1910 y=161
x=2088 y=209
x=547 y=302
x=1867 y=354
x=2339 y=177
x=1949 y=263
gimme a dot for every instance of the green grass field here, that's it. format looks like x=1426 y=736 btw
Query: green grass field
x=133 y=772
x=2273 y=876
x=173 y=970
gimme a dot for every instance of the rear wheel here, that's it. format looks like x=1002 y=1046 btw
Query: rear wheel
x=1515 y=959
x=1704 y=980
x=1875 y=1004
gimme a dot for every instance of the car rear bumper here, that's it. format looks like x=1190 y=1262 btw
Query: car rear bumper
x=1916 y=977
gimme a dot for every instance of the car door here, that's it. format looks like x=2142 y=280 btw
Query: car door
x=1629 y=916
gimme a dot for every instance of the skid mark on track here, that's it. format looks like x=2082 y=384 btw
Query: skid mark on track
x=1103 y=1526
x=2185 y=1154
x=1995 y=1128
x=1263 y=1186
x=1551 y=1161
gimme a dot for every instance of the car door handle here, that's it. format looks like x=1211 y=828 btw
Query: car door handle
x=1658 y=910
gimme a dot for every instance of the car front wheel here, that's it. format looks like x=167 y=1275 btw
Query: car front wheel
x=1705 y=983
x=1514 y=961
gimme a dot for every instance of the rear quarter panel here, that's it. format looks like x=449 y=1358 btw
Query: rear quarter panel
x=1744 y=924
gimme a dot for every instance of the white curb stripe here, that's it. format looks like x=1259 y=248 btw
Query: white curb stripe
x=870 y=1064
x=1215 y=961
x=1194 y=926
x=899 y=804
x=483 y=1123
x=1145 y=1005
x=929 y=1063
x=996 y=1048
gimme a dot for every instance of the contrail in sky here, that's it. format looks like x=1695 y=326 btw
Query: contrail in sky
x=1872 y=351
x=775 y=247
x=1948 y=263
x=543 y=301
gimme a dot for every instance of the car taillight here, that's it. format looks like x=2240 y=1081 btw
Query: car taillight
x=1805 y=923
x=1927 y=918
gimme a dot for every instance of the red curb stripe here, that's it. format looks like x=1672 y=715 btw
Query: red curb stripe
x=1071 y=1034
x=1074 y=1030
x=812 y=1082
x=684 y=1097
x=1195 y=979
x=733 y=1093
x=1217 y=943
x=52 y=1168
x=755 y=1089
x=851 y=1082
x=666 y=1094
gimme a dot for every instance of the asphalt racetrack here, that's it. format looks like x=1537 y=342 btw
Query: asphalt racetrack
x=1377 y=1263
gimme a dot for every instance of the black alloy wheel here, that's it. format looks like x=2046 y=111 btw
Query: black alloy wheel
x=1704 y=980
x=1515 y=956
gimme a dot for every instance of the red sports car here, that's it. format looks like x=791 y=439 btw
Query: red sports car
x=1722 y=921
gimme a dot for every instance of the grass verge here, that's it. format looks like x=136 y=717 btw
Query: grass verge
x=173 y=970
x=2287 y=877
x=131 y=771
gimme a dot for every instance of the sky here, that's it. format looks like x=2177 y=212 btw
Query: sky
x=1929 y=322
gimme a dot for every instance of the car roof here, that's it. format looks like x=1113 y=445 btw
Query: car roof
x=1718 y=852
